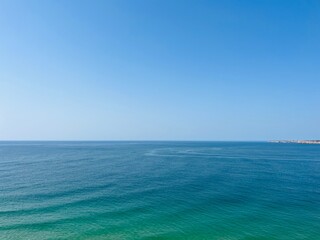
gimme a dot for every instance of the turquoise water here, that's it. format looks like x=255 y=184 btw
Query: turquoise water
x=159 y=190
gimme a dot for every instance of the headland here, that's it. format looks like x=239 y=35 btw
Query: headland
x=297 y=141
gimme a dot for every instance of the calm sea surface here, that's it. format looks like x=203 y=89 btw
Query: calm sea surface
x=159 y=190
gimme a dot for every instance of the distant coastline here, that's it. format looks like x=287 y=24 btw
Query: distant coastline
x=297 y=141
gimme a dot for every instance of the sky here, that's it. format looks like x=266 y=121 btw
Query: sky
x=159 y=70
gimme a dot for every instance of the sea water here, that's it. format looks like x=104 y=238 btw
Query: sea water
x=159 y=190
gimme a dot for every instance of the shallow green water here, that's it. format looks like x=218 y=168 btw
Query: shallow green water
x=159 y=190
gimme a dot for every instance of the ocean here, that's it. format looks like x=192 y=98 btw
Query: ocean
x=159 y=190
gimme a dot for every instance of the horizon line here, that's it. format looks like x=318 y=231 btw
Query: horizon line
x=126 y=140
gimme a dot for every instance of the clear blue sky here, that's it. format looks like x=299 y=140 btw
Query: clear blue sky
x=174 y=70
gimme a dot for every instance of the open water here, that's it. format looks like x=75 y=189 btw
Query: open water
x=159 y=190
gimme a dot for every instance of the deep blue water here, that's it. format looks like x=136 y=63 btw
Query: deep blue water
x=159 y=190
